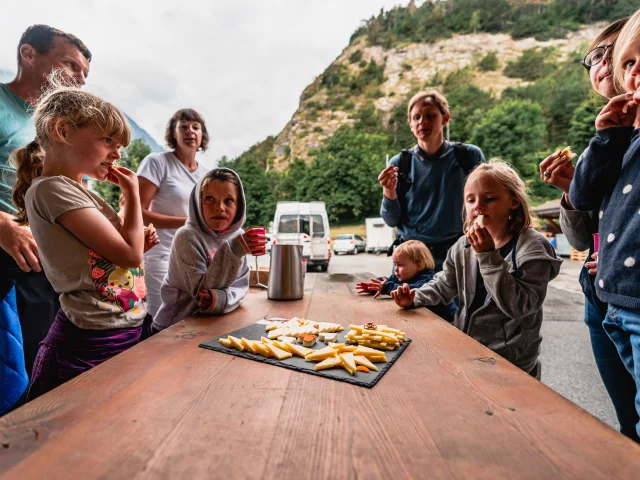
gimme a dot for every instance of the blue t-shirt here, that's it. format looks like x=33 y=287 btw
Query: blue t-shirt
x=434 y=199
x=16 y=130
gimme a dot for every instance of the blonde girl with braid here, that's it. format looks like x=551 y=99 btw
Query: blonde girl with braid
x=91 y=256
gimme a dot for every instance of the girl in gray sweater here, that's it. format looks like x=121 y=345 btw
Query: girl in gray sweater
x=500 y=270
x=208 y=270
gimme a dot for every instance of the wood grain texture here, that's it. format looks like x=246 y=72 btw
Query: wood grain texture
x=449 y=408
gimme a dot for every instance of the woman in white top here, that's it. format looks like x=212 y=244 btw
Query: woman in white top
x=166 y=180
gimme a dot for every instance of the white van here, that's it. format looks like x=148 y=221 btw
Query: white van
x=306 y=224
x=380 y=236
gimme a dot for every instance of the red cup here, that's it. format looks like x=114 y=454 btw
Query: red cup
x=596 y=242
x=256 y=231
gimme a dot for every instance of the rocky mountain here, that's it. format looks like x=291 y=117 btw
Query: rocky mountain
x=406 y=69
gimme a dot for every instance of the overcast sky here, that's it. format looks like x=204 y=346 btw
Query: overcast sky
x=242 y=64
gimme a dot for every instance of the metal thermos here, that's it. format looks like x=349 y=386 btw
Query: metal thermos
x=286 y=280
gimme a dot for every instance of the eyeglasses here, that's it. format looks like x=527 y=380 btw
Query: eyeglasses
x=595 y=56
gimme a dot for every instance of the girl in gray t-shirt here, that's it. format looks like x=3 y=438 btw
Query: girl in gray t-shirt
x=91 y=256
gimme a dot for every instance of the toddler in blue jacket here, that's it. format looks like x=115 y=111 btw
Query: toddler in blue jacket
x=414 y=265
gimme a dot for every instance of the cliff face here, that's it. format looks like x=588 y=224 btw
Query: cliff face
x=364 y=74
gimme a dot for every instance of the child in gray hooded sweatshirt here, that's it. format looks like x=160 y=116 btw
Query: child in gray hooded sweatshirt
x=208 y=270
x=500 y=270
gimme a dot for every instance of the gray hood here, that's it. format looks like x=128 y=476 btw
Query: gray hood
x=195 y=218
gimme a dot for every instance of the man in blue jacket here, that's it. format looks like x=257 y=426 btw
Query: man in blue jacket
x=423 y=187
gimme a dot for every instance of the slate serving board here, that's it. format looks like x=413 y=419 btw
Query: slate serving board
x=254 y=332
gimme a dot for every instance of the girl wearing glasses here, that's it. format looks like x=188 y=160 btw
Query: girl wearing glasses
x=579 y=227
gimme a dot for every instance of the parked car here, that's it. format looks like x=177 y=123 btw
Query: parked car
x=349 y=243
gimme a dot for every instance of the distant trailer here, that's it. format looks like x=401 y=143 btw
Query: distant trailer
x=380 y=236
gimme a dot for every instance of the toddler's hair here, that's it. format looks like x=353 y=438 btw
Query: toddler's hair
x=629 y=33
x=503 y=173
x=75 y=108
x=417 y=252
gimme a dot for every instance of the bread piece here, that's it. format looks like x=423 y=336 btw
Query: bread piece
x=566 y=155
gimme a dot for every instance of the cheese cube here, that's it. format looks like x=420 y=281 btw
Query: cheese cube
x=330 y=337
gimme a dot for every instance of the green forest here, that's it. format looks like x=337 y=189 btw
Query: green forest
x=543 y=19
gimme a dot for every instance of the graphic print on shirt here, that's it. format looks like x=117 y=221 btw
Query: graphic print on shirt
x=122 y=289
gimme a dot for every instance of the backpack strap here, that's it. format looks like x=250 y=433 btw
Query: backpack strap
x=463 y=157
x=404 y=182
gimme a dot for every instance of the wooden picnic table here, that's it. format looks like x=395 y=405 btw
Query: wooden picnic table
x=448 y=408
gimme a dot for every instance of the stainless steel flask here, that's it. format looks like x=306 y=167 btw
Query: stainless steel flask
x=286 y=279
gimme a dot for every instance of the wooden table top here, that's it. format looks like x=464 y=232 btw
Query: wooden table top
x=448 y=408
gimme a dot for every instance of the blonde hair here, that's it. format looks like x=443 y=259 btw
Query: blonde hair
x=75 y=108
x=417 y=252
x=629 y=33
x=434 y=95
x=502 y=173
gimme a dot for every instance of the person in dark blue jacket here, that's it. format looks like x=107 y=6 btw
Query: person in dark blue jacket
x=606 y=180
x=413 y=264
x=424 y=202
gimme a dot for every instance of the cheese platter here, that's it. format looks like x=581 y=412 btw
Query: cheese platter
x=359 y=355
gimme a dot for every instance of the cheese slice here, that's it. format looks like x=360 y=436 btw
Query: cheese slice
x=348 y=362
x=298 y=350
x=336 y=345
x=266 y=340
x=262 y=349
x=248 y=345
x=366 y=351
x=278 y=353
x=321 y=354
x=237 y=343
x=360 y=360
x=226 y=342
x=329 y=362
x=273 y=334
x=285 y=339
x=346 y=349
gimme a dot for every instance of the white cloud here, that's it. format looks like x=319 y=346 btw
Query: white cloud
x=243 y=65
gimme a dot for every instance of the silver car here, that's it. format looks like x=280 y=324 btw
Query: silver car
x=349 y=243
